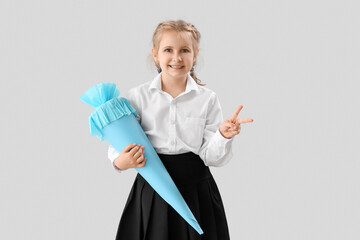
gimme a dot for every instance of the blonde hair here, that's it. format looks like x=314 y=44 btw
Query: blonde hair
x=180 y=26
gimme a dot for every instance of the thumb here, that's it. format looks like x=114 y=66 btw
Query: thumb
x=228 y=124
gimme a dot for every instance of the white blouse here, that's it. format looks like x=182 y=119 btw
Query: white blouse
x=188 y=122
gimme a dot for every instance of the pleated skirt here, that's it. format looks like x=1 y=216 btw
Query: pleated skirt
x=147 y=216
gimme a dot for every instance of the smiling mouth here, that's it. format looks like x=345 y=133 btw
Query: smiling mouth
x=176 y=67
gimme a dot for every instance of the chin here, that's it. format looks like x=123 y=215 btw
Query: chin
x=179 y=74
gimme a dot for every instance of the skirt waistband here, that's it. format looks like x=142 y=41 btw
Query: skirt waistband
x=186 y=155
x=185 y=168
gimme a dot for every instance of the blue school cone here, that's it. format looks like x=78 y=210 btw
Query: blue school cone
x=114 y=120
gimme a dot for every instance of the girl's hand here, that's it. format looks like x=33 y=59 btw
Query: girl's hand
x=132 y=156
x=231 y=126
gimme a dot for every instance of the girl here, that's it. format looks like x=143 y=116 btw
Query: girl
x=183 y=121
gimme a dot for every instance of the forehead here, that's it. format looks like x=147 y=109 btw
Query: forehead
x=175 y=39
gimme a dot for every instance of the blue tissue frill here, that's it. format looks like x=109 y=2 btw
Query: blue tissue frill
x=108 y=108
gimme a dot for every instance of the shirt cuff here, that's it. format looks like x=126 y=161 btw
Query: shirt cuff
x=219 y=151
x=219 y=138
x=112 y=155
x=115 y=167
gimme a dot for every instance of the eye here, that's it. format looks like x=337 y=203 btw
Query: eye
x=186 y=50
x=167 y=49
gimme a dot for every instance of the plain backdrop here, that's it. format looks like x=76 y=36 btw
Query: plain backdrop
x=293 y=65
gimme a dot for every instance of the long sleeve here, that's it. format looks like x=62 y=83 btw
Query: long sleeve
x=134 y=99
x=112 y=153
x=215 y=150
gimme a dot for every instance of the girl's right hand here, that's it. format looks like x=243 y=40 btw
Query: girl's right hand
x=132 y=156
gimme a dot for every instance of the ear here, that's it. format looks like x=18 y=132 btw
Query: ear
x=196 y=54
x=154 y=55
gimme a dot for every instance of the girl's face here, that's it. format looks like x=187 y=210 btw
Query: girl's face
x=175 y=56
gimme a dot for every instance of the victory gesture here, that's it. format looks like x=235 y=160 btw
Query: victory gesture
x=231 y=126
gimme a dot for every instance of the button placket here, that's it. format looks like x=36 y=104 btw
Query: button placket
x=172 y=125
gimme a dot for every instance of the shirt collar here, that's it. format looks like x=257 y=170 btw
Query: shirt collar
x=190 y=83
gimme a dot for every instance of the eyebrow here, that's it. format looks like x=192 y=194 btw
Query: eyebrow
x=172 y=46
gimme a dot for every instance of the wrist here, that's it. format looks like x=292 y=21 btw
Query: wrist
x=117 y=165
x=223 y=134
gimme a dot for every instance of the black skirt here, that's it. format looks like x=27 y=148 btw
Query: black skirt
x=147 y=216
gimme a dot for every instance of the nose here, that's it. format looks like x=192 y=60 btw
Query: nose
x=177 y=57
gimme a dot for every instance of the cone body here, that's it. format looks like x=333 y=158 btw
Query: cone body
x=115 y=122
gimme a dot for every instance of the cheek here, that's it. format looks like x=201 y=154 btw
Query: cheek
x=164 y=59
x=190 y=58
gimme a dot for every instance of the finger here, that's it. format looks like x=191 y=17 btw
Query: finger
x=141 y=152
x=233 y=133
x=140 y=159
x=244 y=120
x=236 y=132
x=138 y=153
x=232 y=127
x=134 y=150
x=236 y=113
x=236 y=127
x=141 y=148
x=225 y=127
x=128 y=147
x=229 y=125
x=142 y=163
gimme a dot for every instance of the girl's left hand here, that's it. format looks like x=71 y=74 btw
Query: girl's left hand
x=231 y=126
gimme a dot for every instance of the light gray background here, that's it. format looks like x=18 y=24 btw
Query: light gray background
x=294 y=65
